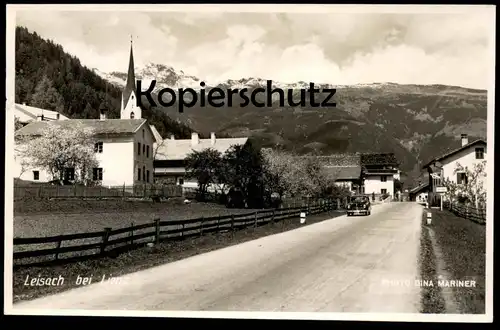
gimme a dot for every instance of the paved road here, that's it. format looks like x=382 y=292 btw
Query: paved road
x=340 y=265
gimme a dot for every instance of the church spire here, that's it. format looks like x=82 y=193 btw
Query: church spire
x=130 y=84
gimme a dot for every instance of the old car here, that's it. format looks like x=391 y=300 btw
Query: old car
x=359 y=205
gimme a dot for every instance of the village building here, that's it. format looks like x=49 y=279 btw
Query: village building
x=170 y=156
x=124 y=147
x=443 y=167
x=420 y=193
x=345 y=169
x=379 y=172
x=27 y=114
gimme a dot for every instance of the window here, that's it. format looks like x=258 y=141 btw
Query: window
x=143 y=133
x=181 y=181
x=144 y=173
x=69 y=174
x=97 y=174
x=147 y=176
x=138 y=174
x=143 y=149
x=138 y=148
x=147 y=151
x=132 y=115
x=36 y=175
x=98 y=147
x=383 y=191
x=461 y=178
x=479 y=153
x=383 y=178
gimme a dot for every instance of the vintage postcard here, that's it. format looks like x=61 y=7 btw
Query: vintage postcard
x=328 y=162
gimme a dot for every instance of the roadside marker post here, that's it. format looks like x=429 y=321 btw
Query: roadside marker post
x=429 y=218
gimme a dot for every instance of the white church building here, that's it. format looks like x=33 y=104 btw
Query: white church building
x=124 y=147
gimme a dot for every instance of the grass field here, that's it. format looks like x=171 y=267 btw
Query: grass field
x=58 y=217
x=462 y=245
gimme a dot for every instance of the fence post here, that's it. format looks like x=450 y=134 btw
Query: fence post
x=157 y=230
x=182 y=231
x=57 y=249
x=255 y=219
x=232 y=223
x=131 y=233
x=201 y=225
x=272 y=217
x=105 y=238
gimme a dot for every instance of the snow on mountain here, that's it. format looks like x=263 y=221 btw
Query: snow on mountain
x=167 y=76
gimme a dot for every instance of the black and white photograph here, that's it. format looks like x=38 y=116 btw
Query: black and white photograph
x=328 y=162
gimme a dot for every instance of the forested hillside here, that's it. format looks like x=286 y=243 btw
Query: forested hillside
x=49 y=78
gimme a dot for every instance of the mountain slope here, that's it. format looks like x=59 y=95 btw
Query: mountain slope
x=49 y=78
x=414 y=121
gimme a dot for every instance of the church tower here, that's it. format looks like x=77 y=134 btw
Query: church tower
x=129 y=109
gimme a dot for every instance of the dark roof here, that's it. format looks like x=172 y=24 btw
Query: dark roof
x=379 y=159
x=130 y=84
x=344 y=172
x=107 y=126
x=419 y=188
x=379 y=171
x=337 y=159
x=454 y=151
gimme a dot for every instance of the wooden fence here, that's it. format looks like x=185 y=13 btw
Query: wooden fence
x=468 y=212
x=49 y=250
x=77 y=191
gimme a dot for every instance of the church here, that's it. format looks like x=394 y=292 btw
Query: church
x=124 y=147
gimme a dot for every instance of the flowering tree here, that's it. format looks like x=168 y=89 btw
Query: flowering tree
x=58 y=148
x=472 y=190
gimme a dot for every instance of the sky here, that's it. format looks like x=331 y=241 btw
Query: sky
x=327 y=47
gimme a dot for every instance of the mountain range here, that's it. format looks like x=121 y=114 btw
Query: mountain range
x=416 y=122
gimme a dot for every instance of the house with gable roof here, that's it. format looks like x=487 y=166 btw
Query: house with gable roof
x=443 y=167
x=28 y=114
x=170 y=156
x=124 y=147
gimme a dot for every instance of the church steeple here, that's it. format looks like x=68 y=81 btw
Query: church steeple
x=129 y=104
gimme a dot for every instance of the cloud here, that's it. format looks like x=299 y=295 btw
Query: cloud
x=332 y=48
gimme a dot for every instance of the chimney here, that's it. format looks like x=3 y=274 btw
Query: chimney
x=172 y=137
x=212 y=138
x=58 y=116
x=102 y=114
x=465 y=139
x=40 y=117
x=195 y=139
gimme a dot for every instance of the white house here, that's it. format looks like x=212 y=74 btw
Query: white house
x=443 y=167
x=171 y=154
x=124 y=150
x=379 y=172
x=124 y=147
x=28 y=114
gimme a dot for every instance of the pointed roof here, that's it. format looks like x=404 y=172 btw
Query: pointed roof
x=130 y=84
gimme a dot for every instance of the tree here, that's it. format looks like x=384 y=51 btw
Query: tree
x=243 y=167
x=47 y=97
x=280 y=172
x=472 y=190
x=204 y=167
x=58 y=148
